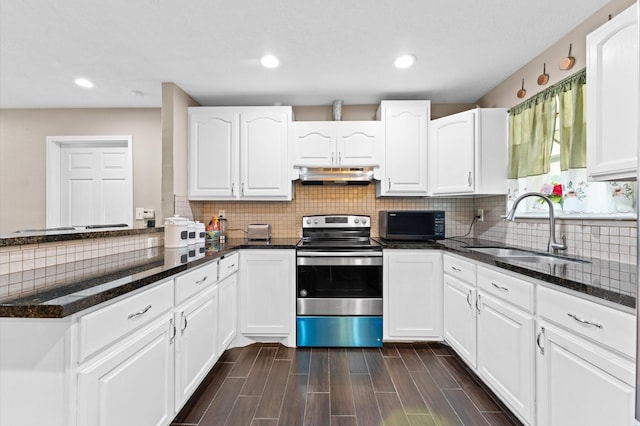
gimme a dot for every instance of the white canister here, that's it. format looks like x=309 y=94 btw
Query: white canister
x=191 y=232
x=201 y=232
x=176 y=232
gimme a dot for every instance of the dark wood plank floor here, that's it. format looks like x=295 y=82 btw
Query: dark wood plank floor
x=399 y=384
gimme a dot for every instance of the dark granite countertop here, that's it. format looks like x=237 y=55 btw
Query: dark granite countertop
x=38 y=237
x=613 y=282
x=73 y=287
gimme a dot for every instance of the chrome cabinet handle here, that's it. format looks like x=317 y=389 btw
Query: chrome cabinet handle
x=173 y=336
x=469 y=299
x=478 y=302
x=584 y=321
x=184 y=319
x=231 y=266
x=142 y=312
x=233 y=187
x=540 y=334
x=332 y=157
x=456 y=269
x=469 y=179
x=242 y=188
x=202 y=280
x=499 y=287
x=339 y=158
x=389 y=184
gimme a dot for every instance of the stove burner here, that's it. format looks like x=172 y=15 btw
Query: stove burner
x=337 y=232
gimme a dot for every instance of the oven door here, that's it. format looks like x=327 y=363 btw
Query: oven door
x=339 y=283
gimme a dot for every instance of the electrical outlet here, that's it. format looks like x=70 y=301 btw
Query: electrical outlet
x=222 y=213
x=480 y=215
x=139 y=213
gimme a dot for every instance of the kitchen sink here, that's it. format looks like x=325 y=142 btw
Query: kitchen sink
x=518 y=255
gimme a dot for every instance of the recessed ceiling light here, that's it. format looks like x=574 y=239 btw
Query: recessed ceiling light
x=405 y=61
x=83 y=82
x=269 y=61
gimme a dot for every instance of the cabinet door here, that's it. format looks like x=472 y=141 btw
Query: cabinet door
x=506 y=360
x=227 y=312
x=412 y=295
x=313 y=143
x=213 y=153
x=132 y=384
x=612 y=98
x=580 y=383
x=451 y=154
x=264 y=156
x=460 y=318
x=406 y=133
x=196 y=342
x=359 y=144
x=267 y=291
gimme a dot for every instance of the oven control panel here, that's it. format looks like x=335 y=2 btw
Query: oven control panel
x=336 y=221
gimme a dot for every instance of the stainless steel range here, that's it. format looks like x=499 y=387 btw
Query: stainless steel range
x=339 y=283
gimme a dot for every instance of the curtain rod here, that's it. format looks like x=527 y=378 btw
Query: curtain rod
x=580 y=76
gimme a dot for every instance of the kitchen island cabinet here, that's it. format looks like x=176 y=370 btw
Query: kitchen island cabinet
x=612 y=98
x=239 y=153
x=412 y=295
x=468 y=153
x=406 y=133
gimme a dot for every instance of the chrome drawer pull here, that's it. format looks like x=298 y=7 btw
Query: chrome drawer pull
x=584 y=321
x=456 y=269
x=231 y=266
x=137 y=314
x=499 y=286
x=202 y=280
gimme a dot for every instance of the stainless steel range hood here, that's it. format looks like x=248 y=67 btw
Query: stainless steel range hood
x=336 y=176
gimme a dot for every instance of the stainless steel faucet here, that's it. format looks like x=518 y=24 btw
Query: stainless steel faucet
x=553 y=245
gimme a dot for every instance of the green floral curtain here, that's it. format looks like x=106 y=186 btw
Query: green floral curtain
x=532 y=127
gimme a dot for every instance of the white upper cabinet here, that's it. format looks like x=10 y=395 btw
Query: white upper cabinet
x=406 y=130
x=612 y=98
x=468 y=153
x=239 y=153
x=336 y=143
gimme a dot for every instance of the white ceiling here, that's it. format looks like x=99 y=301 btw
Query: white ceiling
x=330 y=49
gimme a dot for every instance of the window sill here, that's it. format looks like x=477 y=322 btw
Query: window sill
x=586 y=216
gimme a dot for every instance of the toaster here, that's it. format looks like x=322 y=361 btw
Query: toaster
x=259 y=231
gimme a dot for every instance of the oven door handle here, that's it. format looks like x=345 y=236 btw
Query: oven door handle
x=339 y=254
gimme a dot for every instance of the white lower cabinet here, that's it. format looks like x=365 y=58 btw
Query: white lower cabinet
x=267 y=294
x=196 y=343
x=584 y=361
x=460 y=307
x=580 y=383
x=132 y=382
x=412 y=295
x=506 y=359
x=227 y=312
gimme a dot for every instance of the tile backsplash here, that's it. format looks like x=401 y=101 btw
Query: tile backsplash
x=605 y=239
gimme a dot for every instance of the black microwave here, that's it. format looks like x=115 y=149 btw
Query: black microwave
x=411 y=225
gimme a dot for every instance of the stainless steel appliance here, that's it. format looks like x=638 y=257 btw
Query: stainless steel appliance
x=411 y=225
x=339 y=283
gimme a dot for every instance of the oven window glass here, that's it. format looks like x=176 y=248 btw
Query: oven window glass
x=340 y=281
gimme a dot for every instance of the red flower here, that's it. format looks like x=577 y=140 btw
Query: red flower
x=557 y=190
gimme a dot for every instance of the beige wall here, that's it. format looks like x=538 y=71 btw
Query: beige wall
x=365 y=112
x=23 y=162
x=504 y=95
x=175 y=104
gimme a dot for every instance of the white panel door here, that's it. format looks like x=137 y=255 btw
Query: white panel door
x=451 y=154
x=264 y=168
x=506 y=359
x=460 y=318
x=227 y=312
x=213 y=153
x=313 y=143
x=580 y=383
x=359 y=143
x=132 y=384
x=95 y=187
x=412 y=299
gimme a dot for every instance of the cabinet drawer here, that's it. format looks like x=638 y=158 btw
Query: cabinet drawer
x=194 y=281
x=459 y=268
x=602 y=324
x=506 y=287
x=228 y=265
x=99 y=328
